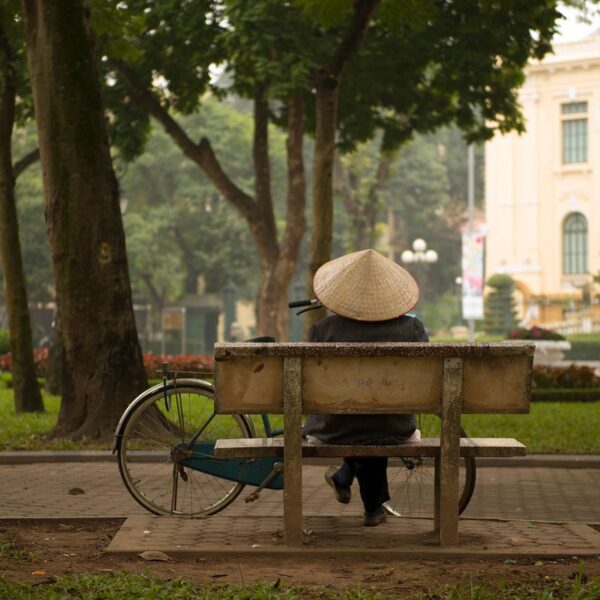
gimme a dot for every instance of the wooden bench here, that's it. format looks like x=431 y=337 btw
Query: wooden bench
x=445 y=379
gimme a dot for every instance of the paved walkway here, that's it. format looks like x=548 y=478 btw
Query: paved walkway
x=76 y=489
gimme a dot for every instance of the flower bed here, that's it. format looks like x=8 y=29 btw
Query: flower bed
x=152 y=362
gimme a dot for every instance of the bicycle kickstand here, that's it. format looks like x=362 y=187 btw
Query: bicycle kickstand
x=276 y=470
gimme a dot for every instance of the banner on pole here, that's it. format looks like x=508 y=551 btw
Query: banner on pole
x=472 y=275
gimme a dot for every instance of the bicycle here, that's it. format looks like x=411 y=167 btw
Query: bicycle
x=165 y=440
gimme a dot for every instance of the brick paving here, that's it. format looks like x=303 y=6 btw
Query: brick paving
x=46 y=490
x=346 y=536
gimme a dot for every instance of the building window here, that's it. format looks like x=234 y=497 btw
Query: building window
x=574 y=132
x=575 y=244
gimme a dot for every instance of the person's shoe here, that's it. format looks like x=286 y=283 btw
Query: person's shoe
x=375 y=517
x=342 y=494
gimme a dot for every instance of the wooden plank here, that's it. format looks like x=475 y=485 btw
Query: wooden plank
x=436 y=494
x=450 y=451
x=265 y=447
x=292 y=492
x=372 y=384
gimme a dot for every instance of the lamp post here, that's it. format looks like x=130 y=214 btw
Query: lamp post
x=419 y=254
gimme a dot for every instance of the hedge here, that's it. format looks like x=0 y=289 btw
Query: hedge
x=583 y=350
x=565 y=395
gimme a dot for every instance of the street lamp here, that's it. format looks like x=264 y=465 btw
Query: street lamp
x=419 y=253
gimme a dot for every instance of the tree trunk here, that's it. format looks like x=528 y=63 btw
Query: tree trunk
x=103 y=359
x=322 y=185
x=296 y=205
x=27 y=395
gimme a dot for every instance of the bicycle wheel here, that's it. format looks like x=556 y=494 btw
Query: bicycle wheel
x=411 y=480
x=151 y=443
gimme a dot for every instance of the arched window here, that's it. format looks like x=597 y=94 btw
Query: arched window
x=575 y=244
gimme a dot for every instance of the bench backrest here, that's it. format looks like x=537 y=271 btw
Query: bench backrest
x=374 y=377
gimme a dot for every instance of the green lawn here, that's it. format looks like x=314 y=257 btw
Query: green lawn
x=551 y=427
x=127 y=585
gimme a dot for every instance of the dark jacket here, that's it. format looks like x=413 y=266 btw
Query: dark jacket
x=364 y=429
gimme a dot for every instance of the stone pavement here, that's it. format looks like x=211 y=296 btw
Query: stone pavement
x=80 y=489
x=515 y=511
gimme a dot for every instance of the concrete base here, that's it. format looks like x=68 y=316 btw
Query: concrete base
x=347 y=536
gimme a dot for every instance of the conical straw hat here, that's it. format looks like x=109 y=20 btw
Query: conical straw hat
x=365 y=286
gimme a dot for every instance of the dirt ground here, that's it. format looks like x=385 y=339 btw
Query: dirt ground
x=43 y=550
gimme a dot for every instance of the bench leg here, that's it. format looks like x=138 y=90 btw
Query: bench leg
x=450 y=451
x=292 y=452
x=436 y=495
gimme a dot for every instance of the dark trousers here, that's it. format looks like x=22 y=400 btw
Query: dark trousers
x=371 y=473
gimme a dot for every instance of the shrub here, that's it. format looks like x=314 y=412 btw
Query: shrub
x=40 y=356
x=178 y=362
x=4 y=341
x=583 y=350
x=565 y=395
x=535 y=333
x=500 y=309
x=571 y=377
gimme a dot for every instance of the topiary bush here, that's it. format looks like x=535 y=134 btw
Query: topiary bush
x=500 y=313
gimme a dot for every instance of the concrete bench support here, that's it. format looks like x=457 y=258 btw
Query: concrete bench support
x=373 y=378
x=292 y=415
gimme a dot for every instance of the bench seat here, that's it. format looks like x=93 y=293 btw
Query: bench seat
x=264 y=447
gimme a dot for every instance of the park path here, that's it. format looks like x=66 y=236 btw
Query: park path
x=94 y=489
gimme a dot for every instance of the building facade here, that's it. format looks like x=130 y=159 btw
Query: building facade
x=542 y=189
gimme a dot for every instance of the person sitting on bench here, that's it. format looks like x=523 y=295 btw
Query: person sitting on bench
x=370 y=296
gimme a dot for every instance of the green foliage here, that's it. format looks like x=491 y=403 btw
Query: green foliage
x=4 y=341
x=29 y=193
x=178 y=227
x=583 y=349
x=10 y=553
x=566 y=395
x=500 y=314
x=440 y=314
x=130 y=585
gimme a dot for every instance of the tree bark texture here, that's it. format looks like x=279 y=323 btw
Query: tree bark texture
x=277 y=262
x=327 y=84
x=27 y=395
x=103 y=359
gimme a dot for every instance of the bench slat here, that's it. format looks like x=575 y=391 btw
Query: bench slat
x=263 y=447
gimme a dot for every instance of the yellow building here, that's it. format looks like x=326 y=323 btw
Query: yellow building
x=542 y=189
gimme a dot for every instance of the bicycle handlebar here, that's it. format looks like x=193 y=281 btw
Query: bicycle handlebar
x=300 y=303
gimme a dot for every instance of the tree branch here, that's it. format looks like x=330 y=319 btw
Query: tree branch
x=202 y=153
x=25 y=162
x=363 y=11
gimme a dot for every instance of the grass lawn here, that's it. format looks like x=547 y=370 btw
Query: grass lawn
x=127 y=585
x=551 y=427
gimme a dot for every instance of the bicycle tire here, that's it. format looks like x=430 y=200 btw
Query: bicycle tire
x=151 y=431
x=411 y=482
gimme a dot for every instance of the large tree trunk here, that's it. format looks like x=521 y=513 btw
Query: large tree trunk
x=327 y=83
x=103 y=359
x=27 y=395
